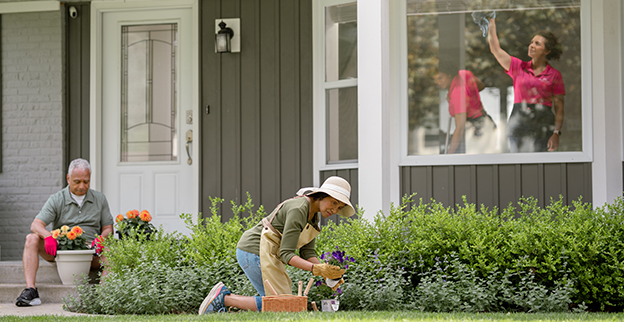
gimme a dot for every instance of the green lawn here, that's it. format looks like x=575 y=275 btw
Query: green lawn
x=341 y=316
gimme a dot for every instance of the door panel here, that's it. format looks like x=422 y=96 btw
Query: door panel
x=146 y=92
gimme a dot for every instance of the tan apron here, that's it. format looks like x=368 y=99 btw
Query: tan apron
x=272 y=267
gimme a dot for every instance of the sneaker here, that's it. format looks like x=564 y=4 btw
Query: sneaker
x=29 y=297
x=215 y=301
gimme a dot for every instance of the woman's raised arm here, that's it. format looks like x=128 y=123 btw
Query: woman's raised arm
x=504 y=59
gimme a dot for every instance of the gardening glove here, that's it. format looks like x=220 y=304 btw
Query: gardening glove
x=327 y=271
x=97 y=245
x=50 y=245
x=335 y=283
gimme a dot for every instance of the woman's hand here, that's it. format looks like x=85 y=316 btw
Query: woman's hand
x=328 y=271
x=553 y=142
x=460 y=127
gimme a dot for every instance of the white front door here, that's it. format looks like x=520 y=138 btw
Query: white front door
x=147 y=90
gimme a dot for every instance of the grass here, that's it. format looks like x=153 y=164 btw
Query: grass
x=339 y=316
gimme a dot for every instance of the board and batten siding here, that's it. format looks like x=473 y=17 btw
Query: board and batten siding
x=256 y=112
x=498 y=185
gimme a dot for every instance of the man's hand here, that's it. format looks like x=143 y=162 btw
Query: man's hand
x=327 y=271
x=97 y=245
x=50 y=245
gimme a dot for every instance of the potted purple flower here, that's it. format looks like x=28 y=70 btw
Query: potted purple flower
x=327 y=289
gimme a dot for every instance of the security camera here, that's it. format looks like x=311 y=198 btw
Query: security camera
x=73 y=12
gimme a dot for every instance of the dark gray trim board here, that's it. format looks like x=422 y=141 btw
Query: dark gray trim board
x=498 y=185
x=77 y=80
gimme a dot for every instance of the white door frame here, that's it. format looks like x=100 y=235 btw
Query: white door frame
x=98 y=8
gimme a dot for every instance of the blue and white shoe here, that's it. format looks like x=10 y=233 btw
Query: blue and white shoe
x=215 y=301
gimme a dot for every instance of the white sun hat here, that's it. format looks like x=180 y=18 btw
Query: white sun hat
x=336 y=187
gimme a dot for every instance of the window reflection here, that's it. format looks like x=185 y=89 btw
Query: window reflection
x=341 y=42
x=443 y=31
x=340 y=86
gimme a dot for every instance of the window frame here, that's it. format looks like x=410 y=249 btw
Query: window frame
x=585 y=155
x=320 y=86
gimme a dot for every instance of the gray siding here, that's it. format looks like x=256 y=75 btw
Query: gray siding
x=257 y=136
x=498 y=185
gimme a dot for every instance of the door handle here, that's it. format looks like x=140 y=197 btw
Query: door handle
x=189 y=139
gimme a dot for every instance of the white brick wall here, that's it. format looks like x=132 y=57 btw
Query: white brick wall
x=32 y=132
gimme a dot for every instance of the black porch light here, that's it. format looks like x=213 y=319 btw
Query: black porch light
x=223 y=38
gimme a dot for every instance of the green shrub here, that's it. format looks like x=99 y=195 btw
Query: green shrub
x=545 y=242
x=451 y=286
x=427 y=256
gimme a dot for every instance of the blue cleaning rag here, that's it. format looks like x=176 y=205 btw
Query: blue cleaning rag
x=483 y=20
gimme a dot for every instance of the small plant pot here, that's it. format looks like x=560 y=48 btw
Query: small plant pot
x=329 y=305
x=73 y=263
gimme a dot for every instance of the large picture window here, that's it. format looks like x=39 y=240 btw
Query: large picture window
x=466 y=98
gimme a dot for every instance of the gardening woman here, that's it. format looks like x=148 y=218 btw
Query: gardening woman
x=263 y=250
x=538 y=88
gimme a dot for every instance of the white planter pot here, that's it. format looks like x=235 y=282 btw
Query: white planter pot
x=73 y=263
x=329 y=305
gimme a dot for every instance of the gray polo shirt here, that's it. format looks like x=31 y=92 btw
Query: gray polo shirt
x=61 y=209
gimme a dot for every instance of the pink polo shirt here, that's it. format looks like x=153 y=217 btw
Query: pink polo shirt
x=533 y=89
x=464 y=96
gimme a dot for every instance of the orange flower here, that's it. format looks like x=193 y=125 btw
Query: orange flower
x=145 y=216
x=77 y=230
x=65 y=228
x=131 y=214
x=55 y=233
x=119 y=218
x=71 y=235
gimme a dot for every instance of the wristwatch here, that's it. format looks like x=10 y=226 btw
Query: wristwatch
x=557 y=132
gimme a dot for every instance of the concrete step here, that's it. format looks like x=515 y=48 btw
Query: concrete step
x=48 y=293
x=49 y=285
x=13 y=272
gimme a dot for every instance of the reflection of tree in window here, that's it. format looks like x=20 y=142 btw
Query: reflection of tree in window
x=517 y=23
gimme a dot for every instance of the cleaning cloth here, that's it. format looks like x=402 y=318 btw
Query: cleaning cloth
x=482 y=19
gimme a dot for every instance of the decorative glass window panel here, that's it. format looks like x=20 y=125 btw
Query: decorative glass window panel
x=453 y=30
x=148 y=93
x=342 y=124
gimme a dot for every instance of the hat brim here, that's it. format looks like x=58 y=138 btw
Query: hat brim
x=346 y=211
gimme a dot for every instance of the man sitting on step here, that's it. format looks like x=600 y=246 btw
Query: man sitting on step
x=75 y=205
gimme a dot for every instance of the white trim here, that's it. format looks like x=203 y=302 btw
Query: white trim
x=98 y=8
x=341 y=83
x=586 y=155
x=29 y=6
x=606 y=69
x=375 y=112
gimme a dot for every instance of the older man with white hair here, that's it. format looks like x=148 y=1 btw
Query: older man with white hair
x=75 y=205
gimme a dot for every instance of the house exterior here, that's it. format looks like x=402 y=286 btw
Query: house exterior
x=314 y=88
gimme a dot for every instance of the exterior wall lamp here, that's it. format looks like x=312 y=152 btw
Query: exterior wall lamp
x=227 y=36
